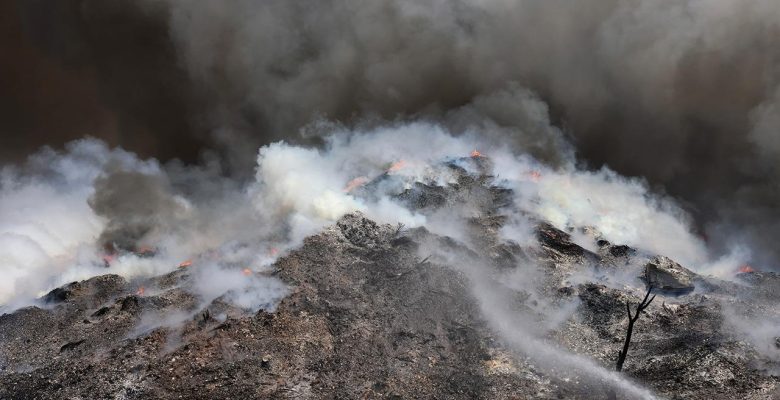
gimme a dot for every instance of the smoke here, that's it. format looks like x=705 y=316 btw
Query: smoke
x=682 y=94
x=233 y=230
x=47 y=224
x=306 y=189
x=524 y=330
x=92 y=210
x=134 y=204
x=677 y=93
x=180 y=213
x=652 y=123
x=759 y=331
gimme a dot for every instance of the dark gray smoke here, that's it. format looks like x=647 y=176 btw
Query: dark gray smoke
x=133 y=204
x=683 y=93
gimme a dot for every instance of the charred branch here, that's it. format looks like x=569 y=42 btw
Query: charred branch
x=632 y=318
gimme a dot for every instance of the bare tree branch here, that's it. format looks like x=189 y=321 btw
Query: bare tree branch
x=631 y=320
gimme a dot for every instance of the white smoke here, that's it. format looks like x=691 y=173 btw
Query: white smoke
x=47 y=228
x=622 y=210
x=308 y=188
x=50 y=233
x=297 y=191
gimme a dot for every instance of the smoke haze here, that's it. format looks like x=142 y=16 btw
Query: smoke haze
x=683 y=94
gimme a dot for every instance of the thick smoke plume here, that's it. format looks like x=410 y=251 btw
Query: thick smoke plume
x=681 y=93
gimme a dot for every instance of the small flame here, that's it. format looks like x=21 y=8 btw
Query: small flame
x=396 y=166
x=185 y=264
x=247 y=272
x=355 y=183
x=273 y=251
x=475 y=154
x=744 y=269
x=535 y=176
x=141 y=290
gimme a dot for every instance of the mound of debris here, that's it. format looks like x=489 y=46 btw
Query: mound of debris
x=377 y=311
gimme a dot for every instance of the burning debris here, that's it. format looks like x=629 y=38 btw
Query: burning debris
x=397 y=166
x=355 y=183
x=407 y=309
x=745 y=269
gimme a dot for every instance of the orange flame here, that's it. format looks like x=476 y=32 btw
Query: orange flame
x=475 y=154
x=355 y=183
x=396 y=166
x=140 y=292
x=185 y=264
x=744 y=269
x=247 y=272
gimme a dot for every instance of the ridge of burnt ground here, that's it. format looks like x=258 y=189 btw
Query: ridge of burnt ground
x=370 y=317
x=367 y=318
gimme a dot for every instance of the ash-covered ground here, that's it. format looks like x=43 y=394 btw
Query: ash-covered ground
x=376 y=310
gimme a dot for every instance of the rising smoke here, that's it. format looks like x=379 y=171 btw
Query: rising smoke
x=296 y=192
x=613 y=103
x=683 y=94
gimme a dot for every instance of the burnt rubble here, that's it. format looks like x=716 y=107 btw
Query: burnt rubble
x=376 y=311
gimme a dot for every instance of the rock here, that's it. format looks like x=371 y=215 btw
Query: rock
x=71 y=345
x=422 y=196
x=621 y=251
x=101 y=312
x=668 y=277
x=57 y=295
x=557 y=239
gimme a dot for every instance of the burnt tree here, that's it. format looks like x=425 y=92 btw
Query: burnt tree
x=631 y=320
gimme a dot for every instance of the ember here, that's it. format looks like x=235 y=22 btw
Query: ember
x=396 y=166
x=535 y=175
x=247 y=272
x=141 y=290
x=145 y=251
x=355 y=183
x=745 y=269
x=185 y=264
x=475 y=154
